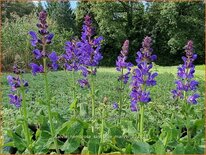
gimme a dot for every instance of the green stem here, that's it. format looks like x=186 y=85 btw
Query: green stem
x=25 y=124
x=141 y=121
x=120 y=96
x=49 y=106
x=137 y=122
x=93 y=100
x=101 y=132
x=115 y=147
x=74 y=93
x=186 y=110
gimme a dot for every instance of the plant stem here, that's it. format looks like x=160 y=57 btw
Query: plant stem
x=25 y=124
x=74 y=94
x=141 y=121
x=49 y=106
x=101 y=132
x=137 y=122
x=120 y=96
x=92 y=96
x=115 y=147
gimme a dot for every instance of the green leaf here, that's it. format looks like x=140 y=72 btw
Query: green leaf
x=73 y=104
x=74 y=133
x=71 y=145
x=140 y=147
x=117 y=137
x=128 y=149
x=62 y=130
x=159 y=147
x=190 y=149
x=19 y=142
x=93 y=145
x=85 y=150
x=9 y=144
x=44 y=138
x=179 y=149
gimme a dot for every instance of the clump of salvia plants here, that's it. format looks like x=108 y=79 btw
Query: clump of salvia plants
x=55 y=133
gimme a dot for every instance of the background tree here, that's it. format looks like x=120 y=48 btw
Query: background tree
x=16 y=7
x=62 y=13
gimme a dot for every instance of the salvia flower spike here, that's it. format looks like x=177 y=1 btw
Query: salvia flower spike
x=185 y=74
x=40 y=42
x=142 y=76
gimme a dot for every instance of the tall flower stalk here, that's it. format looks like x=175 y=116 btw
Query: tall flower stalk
x=41 y=53
x=141 y=79
x=186 y=85
x=72 y=63
x=121 y=64
x=89 y=58
x=18 y=98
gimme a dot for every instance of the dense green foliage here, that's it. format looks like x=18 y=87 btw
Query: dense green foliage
x=169 y=24
x=62 y=14
x=16 y=40
x=19 y=8
x=162 y=132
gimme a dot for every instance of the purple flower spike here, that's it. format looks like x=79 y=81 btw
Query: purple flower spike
x=15 y=100
x=186 y=74
x=46 y=38
x=142 y=76
x=34 y=39
x=36 y=68
x=121 y=63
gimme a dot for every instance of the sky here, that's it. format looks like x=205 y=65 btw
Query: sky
x=73 y=3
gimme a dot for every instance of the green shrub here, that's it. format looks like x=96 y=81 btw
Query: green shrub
x=16 y=40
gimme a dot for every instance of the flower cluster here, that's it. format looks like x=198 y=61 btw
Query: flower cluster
x=142 y=76
x=71 y=56
x=16 y=83
x=121 y=63
x=185 y=74
x=89 y=48
x=45 y=40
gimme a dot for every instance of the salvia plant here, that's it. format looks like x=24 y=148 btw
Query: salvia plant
x=141 y=79
x=71 y=62
x=18 y=99
x=121 y=65
x=89 y=58
x=186 y=85
x=40 y=52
